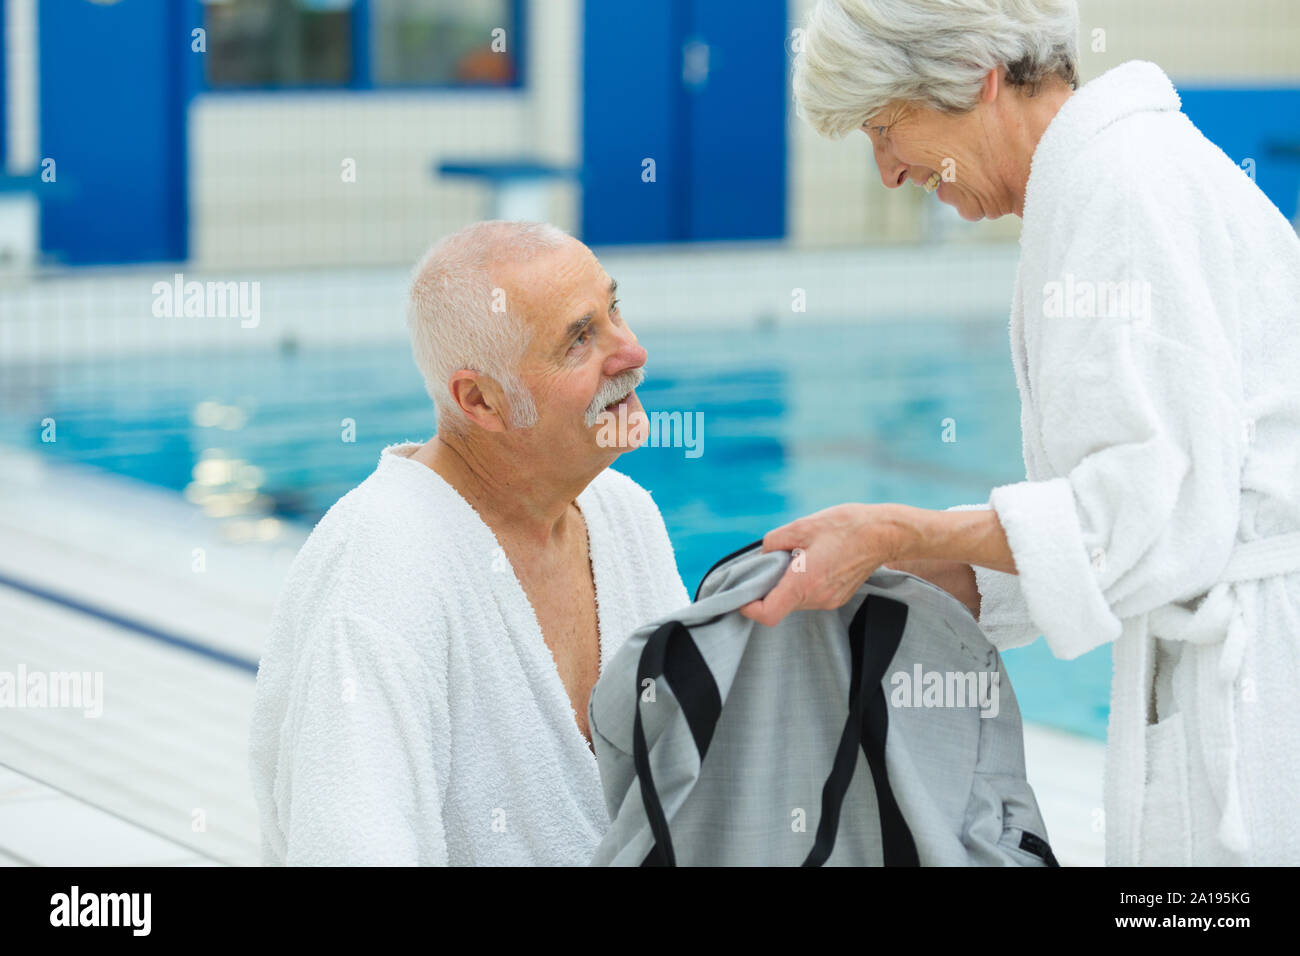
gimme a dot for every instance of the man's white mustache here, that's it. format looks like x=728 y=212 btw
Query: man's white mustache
x=612 y=391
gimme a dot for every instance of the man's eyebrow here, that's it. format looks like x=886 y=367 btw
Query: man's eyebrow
x=575 y=329
x=577 y=325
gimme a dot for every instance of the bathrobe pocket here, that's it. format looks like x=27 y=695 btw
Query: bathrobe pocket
x=1166 y=816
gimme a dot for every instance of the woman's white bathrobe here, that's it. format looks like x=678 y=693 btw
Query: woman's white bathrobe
x=408 y=710
x=1156 y=439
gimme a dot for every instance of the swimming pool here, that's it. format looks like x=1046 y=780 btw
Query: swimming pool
x=794 y=420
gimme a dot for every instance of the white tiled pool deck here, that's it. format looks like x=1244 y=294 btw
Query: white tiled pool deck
x=169 y=752
x=43 y=826
x=161 y=777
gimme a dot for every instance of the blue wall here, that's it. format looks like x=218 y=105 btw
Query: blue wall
x=1258 y=124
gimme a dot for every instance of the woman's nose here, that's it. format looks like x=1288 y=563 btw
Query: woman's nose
x=893 y=172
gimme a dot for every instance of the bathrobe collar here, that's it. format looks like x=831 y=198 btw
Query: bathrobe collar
x=1133 y=87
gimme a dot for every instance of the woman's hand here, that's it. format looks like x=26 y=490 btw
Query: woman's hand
x=840 y=548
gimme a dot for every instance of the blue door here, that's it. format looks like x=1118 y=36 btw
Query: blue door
x=631 y=118
x=735 y=76
x=699 y=88
x=112 y=118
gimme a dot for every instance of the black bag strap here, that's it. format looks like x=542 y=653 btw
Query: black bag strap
x=671 y=652
x=880 y=636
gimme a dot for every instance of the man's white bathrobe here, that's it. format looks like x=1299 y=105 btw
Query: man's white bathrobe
x=1155 y=442
x=408 y=710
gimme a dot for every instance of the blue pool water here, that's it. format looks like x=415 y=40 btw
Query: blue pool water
x=794 y=420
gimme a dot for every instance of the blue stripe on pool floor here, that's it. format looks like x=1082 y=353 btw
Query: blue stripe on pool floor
x=130 y=624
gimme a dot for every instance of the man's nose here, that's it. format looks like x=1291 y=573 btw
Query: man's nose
x=628 y=354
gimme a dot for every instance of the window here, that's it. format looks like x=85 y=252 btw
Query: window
x=362 y=44
x=279 y=43
x=444 y=42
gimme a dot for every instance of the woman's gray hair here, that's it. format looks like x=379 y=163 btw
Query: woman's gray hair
x=459 y=317
x=858 y=56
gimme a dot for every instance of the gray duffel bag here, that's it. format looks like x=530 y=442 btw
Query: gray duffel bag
x=882 y=733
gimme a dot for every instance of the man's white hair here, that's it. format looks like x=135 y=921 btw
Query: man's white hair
x=858 y=56
x=459 y=316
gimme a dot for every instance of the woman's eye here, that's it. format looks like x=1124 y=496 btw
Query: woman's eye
x=613 y=306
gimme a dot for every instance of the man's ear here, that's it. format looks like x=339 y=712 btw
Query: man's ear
x=479 y=399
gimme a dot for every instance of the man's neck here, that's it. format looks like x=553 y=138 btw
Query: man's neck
x=520 y=501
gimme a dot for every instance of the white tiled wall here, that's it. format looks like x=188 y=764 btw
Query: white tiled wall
x=1217 y=41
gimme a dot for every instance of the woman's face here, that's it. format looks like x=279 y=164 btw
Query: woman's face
x=951 y=152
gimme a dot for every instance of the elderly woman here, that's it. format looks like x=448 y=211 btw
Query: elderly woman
x=1156 y=345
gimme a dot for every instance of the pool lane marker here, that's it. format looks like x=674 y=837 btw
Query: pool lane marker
x=130 y=624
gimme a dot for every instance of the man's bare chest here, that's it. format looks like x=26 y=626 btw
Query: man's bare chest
x=562 y=593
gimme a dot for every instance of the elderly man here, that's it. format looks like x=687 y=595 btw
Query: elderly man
x=423 y=698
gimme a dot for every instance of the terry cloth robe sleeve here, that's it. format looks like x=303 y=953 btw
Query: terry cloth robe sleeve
x=359 y=785
x=1137 y=411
